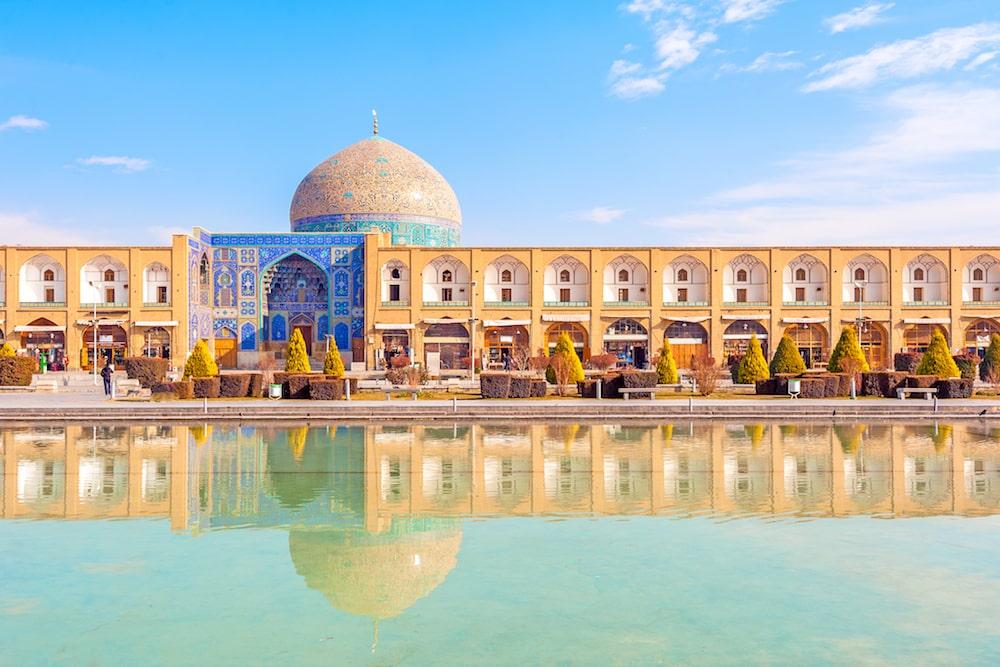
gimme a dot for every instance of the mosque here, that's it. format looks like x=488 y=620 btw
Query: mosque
x=373 y=261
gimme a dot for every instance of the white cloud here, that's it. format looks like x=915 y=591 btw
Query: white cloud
x=25 y=123
x=941 y=50
x=27 y=229
x=600 y=215
x=748 y=10
x=770 y=61
x=634 y=88
x=119 y=162
x=678 y=45
x=859 y=17
x=981 y=59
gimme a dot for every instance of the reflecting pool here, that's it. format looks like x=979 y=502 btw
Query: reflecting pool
x=693 y=542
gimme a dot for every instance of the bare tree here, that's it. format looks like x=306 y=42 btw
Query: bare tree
x=706 y=375
x=563 y=370
x=520 y=358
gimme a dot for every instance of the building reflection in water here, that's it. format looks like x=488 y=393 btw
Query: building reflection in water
x=374 y=512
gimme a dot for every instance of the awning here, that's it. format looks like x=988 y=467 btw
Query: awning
x=748 y=316
x=632 y=338
x=171 y=323
x=445 y=320
x=926 y=320
x=760 y=336
x=689 y=320
x=506 y=323
x=805 y=320
x=101 y=321
x=565 y=317
x=854 y=320
x=38 y=329
x=995 y=316
x=688 y=341
x=387 y=326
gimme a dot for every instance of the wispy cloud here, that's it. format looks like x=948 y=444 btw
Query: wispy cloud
x=748 y=10
x=118 y=162
x=859 y=17
x=905 y=59
x=770 y=61
x=600 y=215
x=26 y=123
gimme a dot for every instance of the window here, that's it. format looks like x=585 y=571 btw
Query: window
x=393 y=292
x=49 y=275
x=446 y=294
x=800 y=294
x=446 y=277
x=682 y=276
x=50 y=295
x=859 y=273
x=623 y=276
x=506 y=295
x=682 y=295
x=564 y=276
x=859 y=295
x=394 y=274
x=109 y=295
x=161 y=294
x=109 y=275
x=741 y=295
x=741 y=276
x=977 y=274
x=564 y=295
x=918 y=293
x=505 y=276
x=800 y=275
x=918 y=274
x=977 y=293
x=623 y=294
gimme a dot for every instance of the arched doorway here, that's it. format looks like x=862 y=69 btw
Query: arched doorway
x=112 y=344
x=43 y=338
x=226 y=355
x=736 y=339
x=688 y=341
x=917 y=337
x=297 y=296
x=305 y=325
x=628 y=340
x=502 y=341
x=156 y=343
x=449 y=340
x=577 y=334
x=874 y=341
x=812 y=341
x=978 y=334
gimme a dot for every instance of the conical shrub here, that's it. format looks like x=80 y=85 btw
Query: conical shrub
x=200 y=364
x=753 y=366
x=666 y=367
x=787 y=358
x=296 y=360
x=333 y=364
x=848 y=347
x=989 y=370
x=564 y=346
x=7 y=351
x=937 y=359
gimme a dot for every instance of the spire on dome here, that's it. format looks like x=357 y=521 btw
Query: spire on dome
x=374 y=122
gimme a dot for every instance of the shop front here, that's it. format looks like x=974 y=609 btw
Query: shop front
x=737 y=336
x=628 y=340
x=505 y=340
x=688 y=341
x=395 y=343
x=46 y=342
x=446 y=346
x=111 y=342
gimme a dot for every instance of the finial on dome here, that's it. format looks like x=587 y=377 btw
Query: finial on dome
x=374 y=122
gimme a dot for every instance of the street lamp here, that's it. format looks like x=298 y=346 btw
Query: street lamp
x=93 y=356
x=472 y=330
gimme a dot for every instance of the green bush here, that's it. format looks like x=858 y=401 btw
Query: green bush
x=787 y=358
x=666 y=367
x=937 y=359
x=297 y=361
x=753 y=366
x=989 y=370
x=968 y=365
x=848 y=347
x=17 y=371
x=333 y=364
x=200 y=364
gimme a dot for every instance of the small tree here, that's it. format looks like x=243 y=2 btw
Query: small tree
x=990 y=368
x=333 y=364
x=200 y=364
x=706 y=375
x=937 y=359
x=562 y=370
x=753 y=366
x=666 y=367
x=297 y=361
x=7 y=351
x=787 y=358
x=520 y=358
x=564 y=347
x=848 y=347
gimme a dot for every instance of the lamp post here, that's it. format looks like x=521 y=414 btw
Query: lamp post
x=472 y=330
x=93 y=356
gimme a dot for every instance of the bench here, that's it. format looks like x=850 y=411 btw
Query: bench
x=389 y=391
x=46 y=384
x=626 y=391
x=928 y=392
x=127 y=389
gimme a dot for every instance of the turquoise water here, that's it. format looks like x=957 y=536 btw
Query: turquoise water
x=706 y=543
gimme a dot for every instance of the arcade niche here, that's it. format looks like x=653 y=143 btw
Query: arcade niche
x=297 y=297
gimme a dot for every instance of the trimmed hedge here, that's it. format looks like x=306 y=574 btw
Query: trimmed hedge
x=326 y=390
x=954 y=387
x=494 y=385
x=298 y=386
x=147 y=370
x=812 y=387
x=234 y=385
x=206 y=387
x=183 y=389
x=906 y=361
x=256 y=388
x=17 y=371
x=520 y=387
x=920 y=381
x=767 y=387
x=882 y=384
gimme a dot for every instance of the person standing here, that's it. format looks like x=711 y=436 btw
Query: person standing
x=107 y=373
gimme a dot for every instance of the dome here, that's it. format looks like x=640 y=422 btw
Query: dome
x=377 y=185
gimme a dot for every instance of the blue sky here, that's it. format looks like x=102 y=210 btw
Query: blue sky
x=652 y=122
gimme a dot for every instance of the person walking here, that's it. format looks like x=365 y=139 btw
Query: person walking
x=107 y=373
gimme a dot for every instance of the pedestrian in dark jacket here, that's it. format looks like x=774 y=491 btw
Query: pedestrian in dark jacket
x=107 y=373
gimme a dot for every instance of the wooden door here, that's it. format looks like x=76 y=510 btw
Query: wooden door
x=307 y=335
x=225 y=352
x=684 y=354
